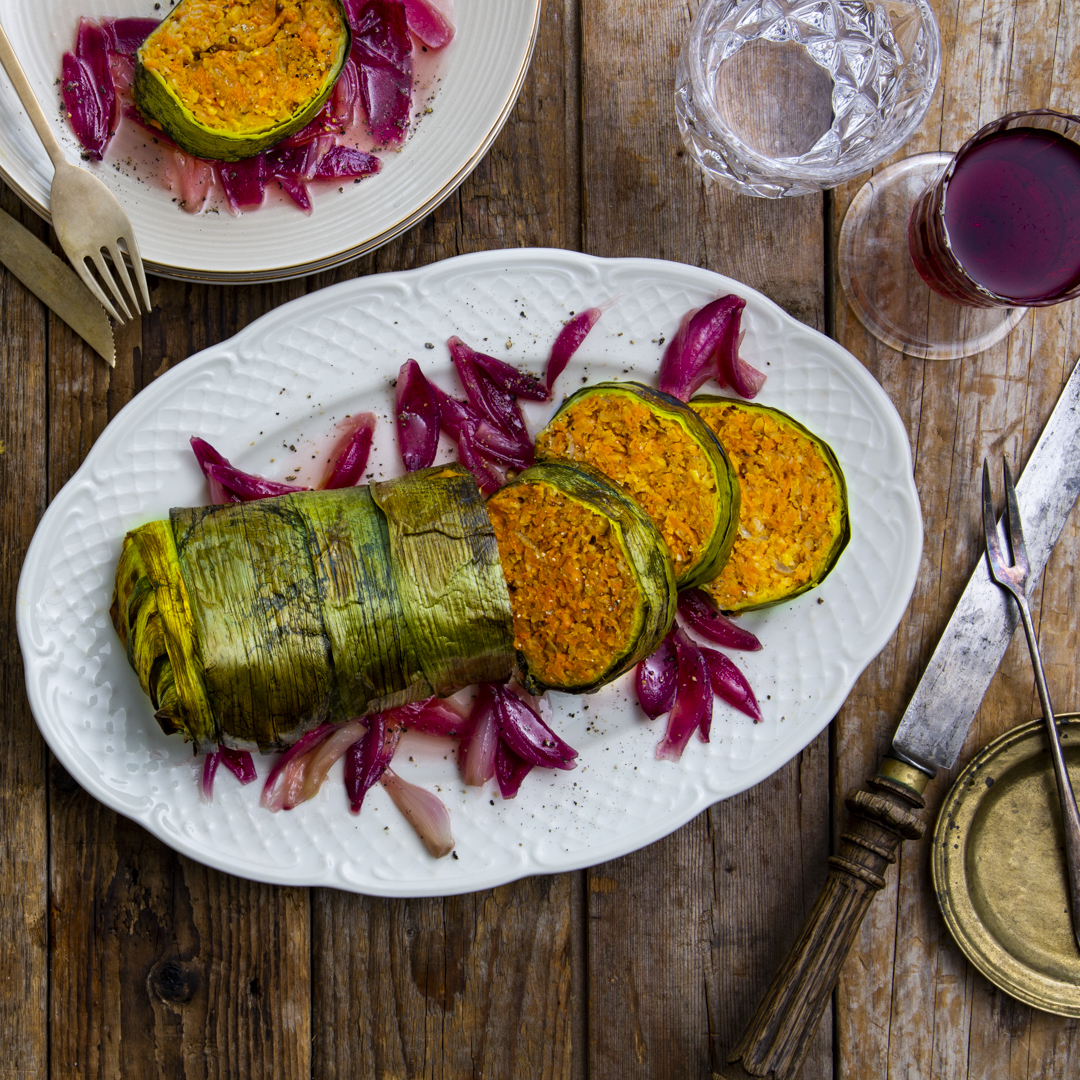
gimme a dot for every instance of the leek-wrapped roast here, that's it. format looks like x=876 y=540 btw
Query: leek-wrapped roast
x=250 y=623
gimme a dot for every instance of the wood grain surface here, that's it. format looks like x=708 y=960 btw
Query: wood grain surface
x=122 y=959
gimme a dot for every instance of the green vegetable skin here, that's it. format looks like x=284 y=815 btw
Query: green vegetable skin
x=647 y=554
x=288 y=612
x=160 y=101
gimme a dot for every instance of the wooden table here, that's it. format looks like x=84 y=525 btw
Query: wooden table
x=120 y=958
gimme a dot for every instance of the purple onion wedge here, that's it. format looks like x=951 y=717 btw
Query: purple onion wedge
x=690 y=359
x=435 y=716
x=693 y=700
x=476 y=753
x=521 y=728
x=239 y=763
x=90 y=113
x=206 y=455
x=244 y=182
x=285 y=780
x=657 y=679
x=729 y=684
x=701 y=615
x=366 y=760
x=248 y=486
x=124 y=36
x=346 y=163
x=416 y=417
x=432 y=22
x=510 y=770
x=206 y=782
x=382 y=49
x=494 y=404
x=506 y=377
x=568 y=342
x=349 y=459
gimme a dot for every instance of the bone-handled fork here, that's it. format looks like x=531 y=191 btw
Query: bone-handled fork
x=87 y=217
x=1014 y=580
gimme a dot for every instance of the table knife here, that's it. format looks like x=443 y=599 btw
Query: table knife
x=54 y=282
x=886 y=810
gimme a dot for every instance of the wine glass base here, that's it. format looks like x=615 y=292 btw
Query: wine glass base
x=882 y=285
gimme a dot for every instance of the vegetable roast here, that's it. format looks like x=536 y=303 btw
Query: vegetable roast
x=227 y=79
x=793 y=522
x=660 y=452
x=251 y=623
x=591 y=582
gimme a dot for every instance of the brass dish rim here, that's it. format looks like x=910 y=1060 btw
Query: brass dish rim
x=977 y=941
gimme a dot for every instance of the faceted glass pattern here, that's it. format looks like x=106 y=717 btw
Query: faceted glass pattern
x=776 y=98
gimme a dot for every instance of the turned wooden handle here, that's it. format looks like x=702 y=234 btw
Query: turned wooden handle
x=884 y=813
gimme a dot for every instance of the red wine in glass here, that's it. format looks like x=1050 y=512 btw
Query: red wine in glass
x=1002 y=225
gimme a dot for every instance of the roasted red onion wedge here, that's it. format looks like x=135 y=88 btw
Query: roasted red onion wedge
x=349 y=459
x=124 y=36
x=247 y=485
x=521 y=728
x=416 y=417
x=366 y=760
x=568 y=342
x=382 y=49
x=286 y=778
x=244 y=182
x=693 y=700
x=325 y=754
x=510 y=379
x=432 y=22
x=510 y=770
x=206 y=455
x=476 y=753
x=425 y=812
x=700 y=613
x=730 y=684
x=657 y=680
x=706 y=347
x=239 y=763
x=493 y=403
x=435 y=716
x=90 y=110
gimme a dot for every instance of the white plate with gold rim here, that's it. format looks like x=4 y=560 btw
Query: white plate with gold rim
x=476 y=83
x=267 y=399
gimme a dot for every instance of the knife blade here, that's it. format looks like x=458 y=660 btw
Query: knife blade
x=56 y=284
x=932 y=731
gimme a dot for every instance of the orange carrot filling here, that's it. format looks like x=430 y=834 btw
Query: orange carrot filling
x=652 y=458
x=571 y=589
x=246 y=66
x=791 y=509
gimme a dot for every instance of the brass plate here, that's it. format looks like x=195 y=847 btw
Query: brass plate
x=999 y=867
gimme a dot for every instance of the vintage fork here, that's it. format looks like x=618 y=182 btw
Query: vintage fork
x=86 y=215
x=1014 y=579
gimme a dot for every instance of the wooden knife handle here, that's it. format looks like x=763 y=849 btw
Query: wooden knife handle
x=884 y=812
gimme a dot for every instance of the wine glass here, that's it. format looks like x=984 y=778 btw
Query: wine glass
x=942 y=254
x=789 y=97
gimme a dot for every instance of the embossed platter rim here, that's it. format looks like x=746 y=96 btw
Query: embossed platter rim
x=282 y=382
x=479 y=79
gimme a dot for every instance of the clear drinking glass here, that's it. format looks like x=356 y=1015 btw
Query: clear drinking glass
x=941 y=255
x=788 y=97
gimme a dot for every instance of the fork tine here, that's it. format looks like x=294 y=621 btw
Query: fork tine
x=137 y=265
x=120 y=268
x=117 y=294
x=1016 y=529
x=993 y=544
x=90 y=282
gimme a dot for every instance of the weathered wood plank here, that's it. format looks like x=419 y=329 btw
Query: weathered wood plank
x=908 y=1000
x=155 y=958
x=684 y=935
x=23 y=806
x=488 y=984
